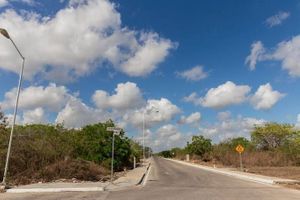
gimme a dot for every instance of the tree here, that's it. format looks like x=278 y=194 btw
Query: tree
x=271 y=135
x=165 y=154
x=232 y=143
x=3 y=120
x=199 y=146
x=291 y=147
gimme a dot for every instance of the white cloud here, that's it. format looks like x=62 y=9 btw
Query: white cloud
x=265 y=97
x=193 y=118
x=3 y=3
x=168 y=136
x=277 y=19
x=77 y=114
x=36 y=116
x=257 y=52
x=298 y=121
x=224 y=95
x=156 y=111
x=230 y=127
x=10 y=118
x=224 y=116
x=193 y=98
x=127 y=96
x=195 y=74
x=288 y=52
x=148 y=55
x=52 y=97
x=78 y=39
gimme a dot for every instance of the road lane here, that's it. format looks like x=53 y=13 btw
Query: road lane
x=169 y=180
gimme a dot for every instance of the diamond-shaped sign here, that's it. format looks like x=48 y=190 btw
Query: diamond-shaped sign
x=239 y=148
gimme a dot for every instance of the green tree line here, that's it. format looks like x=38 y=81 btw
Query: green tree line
x=43 y=151
x=270 y=144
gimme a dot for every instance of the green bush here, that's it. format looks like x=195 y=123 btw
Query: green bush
x=37 y=146
x=199 y=146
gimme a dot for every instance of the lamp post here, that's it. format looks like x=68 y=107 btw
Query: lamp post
x=144 y=112
x=5 y=34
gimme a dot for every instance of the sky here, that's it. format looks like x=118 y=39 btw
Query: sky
x=211 y=67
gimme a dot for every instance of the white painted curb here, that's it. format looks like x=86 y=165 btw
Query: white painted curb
x=232 y=174
x=146 y=176
x=41 y=190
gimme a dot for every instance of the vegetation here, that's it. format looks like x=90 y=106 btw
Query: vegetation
x=271 y=144
x=50 y=152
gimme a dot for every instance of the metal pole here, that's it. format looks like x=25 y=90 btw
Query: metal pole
x=112 y=158
x=241 y=162
x=15 y=114
x=144 y=136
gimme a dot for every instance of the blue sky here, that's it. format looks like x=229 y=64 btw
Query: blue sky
x=209 y=67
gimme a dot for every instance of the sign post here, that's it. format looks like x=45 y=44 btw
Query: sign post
x=240 y=149
x=116 y=131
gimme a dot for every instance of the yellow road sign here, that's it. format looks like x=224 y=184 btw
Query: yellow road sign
x=239 y=148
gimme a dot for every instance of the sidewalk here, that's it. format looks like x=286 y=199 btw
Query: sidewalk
x=131 y=178
x=241 y=175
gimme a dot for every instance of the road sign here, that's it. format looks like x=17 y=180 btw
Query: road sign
x=239 y=148
x=113 y=129
x=116 y=131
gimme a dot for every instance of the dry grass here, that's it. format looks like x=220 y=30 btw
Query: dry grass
x=66 y=169
x=281 y=172
x=254 y=159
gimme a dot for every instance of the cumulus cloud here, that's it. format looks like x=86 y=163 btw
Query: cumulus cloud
x=224 y=95
x=35 y=116
x=51 y=97
x=168 y=136
x=156 y=111
x=277 y=19
x=265 y=97
x=193 y=98
x=195 y=74
x=10 y=118
x=77 y=114
x=193 y=118
x=127 y=96
x=257 y=52
x=230 y=127
x=78 y=39
x=288 y=52
x=3 y=3
x=224 y=116
x=298 y=121
x=148 y=55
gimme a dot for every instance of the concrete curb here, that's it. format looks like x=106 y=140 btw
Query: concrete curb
x=141 y=181
x=249 y=177
x=51 y=190
x=145 y=176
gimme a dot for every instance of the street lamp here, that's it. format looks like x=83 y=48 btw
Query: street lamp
x=5 y=34
x=144 y=112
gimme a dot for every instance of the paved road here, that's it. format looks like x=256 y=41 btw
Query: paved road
x=169 y=180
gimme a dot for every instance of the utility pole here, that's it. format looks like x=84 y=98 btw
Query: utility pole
x=5 y=34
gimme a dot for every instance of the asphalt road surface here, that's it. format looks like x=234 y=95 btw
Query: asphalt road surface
x=169 y=180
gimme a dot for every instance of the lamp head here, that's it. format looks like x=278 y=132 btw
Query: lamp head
x=4 y=33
